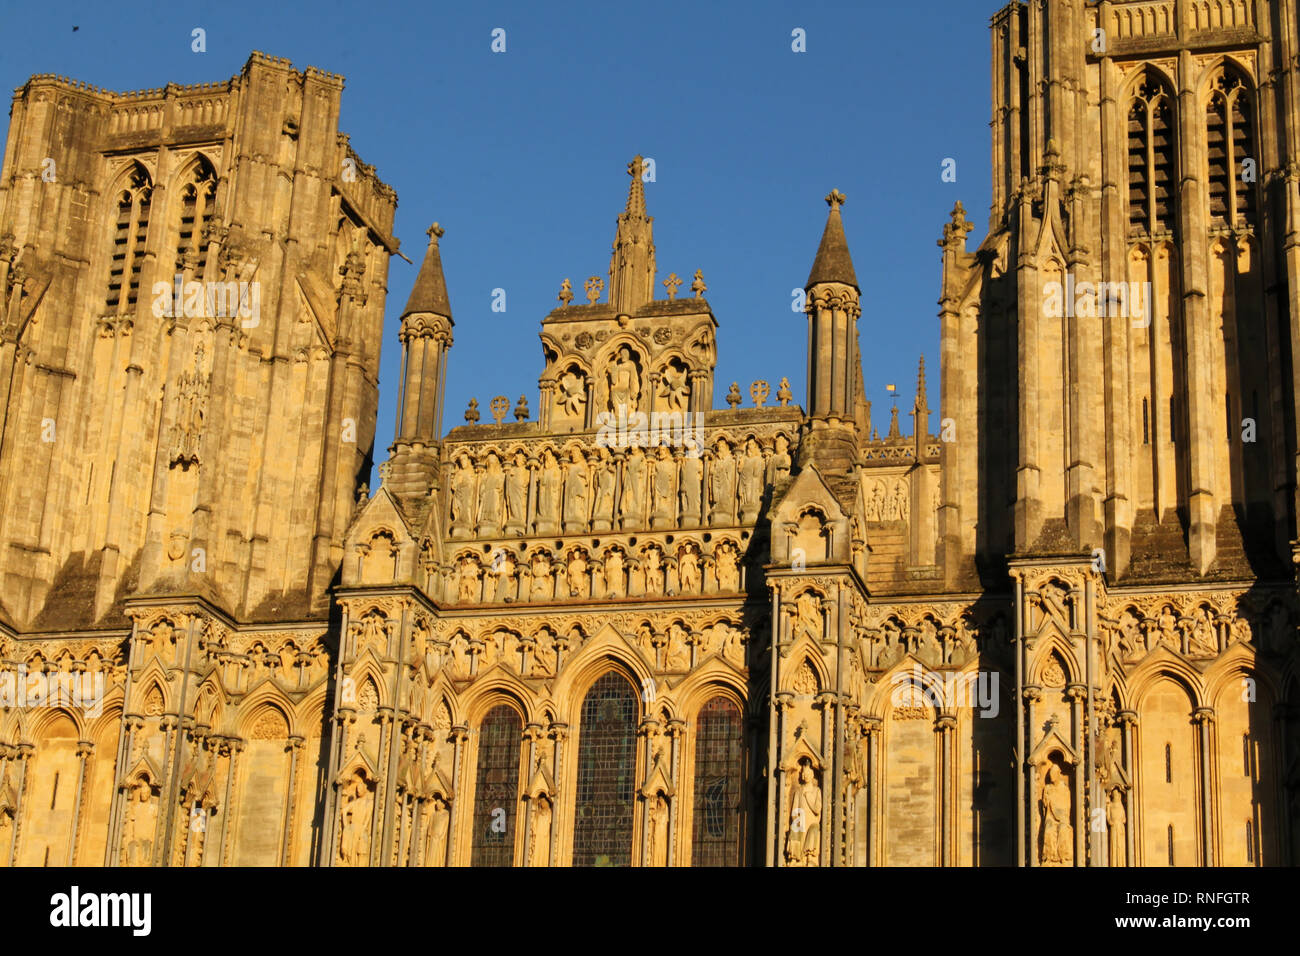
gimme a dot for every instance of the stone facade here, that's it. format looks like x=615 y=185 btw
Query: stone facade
x=1058 y=630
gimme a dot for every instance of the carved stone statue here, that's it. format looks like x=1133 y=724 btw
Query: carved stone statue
x=665 y=474
x=615 y=574
x=469 y=580
x=572 y=394
x=539 y=832
x=779 y=463
x=654 y=571
x=548 y=495
x=751 y=481
x=576 y=500
x=354 y=836
x=579 y=582
x=490 y=497
x=463 y=481
x=722 y=485
x=1116 y=819
x=141 y=821
x=1203 y=641
x=517 y=495
x=435 y=848
x=803 y=839
x=679 y=652
x=541 y=568
x=1058 y=833
x=807 y=617
x=688 y=569
x=658 y=849
x=727 y=567
x=624 y=383
x=604 y=480
x=691 y=483
x=633 y=500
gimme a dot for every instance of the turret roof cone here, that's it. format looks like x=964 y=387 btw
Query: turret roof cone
x=430 y=291
x=833 y=262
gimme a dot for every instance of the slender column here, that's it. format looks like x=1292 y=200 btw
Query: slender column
x=1204 y=718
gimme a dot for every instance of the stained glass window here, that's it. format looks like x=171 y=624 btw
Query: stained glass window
x=719 y=769
x=602 y=832
x=496 y=788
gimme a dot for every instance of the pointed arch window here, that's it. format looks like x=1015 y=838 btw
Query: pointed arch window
x=602 y=829
x=496 y=787
x=130 y=229
x=717 y=828
x=1230 y=142
x=198 y=200
x=1150 y=159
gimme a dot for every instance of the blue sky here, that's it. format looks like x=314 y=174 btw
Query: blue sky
x=522 y=155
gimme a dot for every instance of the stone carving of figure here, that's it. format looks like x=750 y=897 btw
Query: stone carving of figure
x=624 y=383
x=572 y=394
x=1168 y=624
x=548 y=494
x=632 y=502
x=659 y=831
x=539 y=833
x=1058 y=834
x=506 y=570
x=679 y=652
x=654 y=572
x=602 y=512
x=491 y=487
x=722 y=485
x=141 y=820
x=751 y=481
x=1116 y=819
x=899 y=504
x=469 y=579
x=665 y=474
x=463 y=483
x=541 y=568
x=1130 y=636
x=614 y=573
x=354 y=838
x=803 y=840
x=517 y=495
x=928 y=645
x=543 y=655
x=579 y=582
x=727 y=567
x=688 y=570
x=435 y=852
x=807 y=617
x=733 y=645
x=1240 y=631
x=1203 y=642
x=576 y=500
x=692 y=477
x=676 y=387
x=779 y=463
x=6 y=831
x=876 y=506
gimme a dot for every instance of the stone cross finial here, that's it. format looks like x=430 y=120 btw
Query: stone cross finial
x=783 y=393
x=566 y=292
x=698 y=286
x=595 y=286
x=435 y=232
x=498 y=407
x=672 y=284
x=759 y=392
x=733 y=395
x=471 y=413
x=385 y=469
x=835 y=199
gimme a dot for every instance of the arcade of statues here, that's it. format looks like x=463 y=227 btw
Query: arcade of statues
x=623 y=620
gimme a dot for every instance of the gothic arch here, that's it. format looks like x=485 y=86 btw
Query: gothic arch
x=499 y=687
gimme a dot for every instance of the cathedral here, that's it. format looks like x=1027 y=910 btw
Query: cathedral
x=647 y=624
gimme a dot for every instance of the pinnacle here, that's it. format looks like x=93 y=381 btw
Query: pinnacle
x=833 y=262
x=429 y=294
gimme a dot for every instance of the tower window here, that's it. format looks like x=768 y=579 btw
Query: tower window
x=1245 y=754
x=1169 y=764
x=1250 y=841
x=1146 y=423
x=1150 y=159
x=129 y=234
x=1169 y=834
x=1230 y=136
x=198 y=197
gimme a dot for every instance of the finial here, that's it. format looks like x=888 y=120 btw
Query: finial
x=595 y=285
x=698 y=286
x=636 y=168
x=759 y=391
x=566 y=292
x=498 y=407
x=783 y=393
x=435 y=232
x=471 y=413
x=733 y=395
x=921 y=404
x=835 y=199
x=521 y=410
x=672 y=284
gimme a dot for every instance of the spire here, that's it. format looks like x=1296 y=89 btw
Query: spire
x=430 y=291
x=833 y=262
x=921 y=404
x=632 y=266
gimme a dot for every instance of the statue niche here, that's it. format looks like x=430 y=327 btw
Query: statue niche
x=1056 y=836
x=803 y=836
x=623 y=376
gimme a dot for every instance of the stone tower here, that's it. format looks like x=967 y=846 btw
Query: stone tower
x=193 y=286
